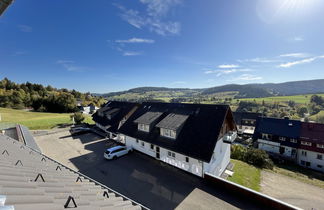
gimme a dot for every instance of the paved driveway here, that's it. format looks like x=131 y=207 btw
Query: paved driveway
x=139 y=177
x=292 y=191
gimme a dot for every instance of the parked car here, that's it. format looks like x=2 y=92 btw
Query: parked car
x=116 y=151
x=79 y=130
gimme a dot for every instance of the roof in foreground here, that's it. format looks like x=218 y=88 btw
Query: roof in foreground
x=30 y=180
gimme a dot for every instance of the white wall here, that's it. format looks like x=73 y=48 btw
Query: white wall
x=269 y=146
x=312 y=158
x=193 y=166
x=220 y=159
x=131 y=142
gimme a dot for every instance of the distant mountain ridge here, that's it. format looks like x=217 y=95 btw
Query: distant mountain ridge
x=243 y=91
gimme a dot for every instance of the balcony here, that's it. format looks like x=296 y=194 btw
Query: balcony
x=230 y=137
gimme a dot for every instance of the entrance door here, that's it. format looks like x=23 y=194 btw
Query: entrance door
x=157 y=152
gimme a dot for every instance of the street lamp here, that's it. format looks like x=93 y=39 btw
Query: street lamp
x=4 y=4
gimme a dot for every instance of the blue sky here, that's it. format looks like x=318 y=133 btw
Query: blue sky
x=110 y=45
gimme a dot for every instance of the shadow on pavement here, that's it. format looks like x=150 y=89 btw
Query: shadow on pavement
x=146 y=180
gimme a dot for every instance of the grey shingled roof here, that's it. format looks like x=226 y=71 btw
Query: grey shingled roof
x=172 y=121
x=148 y=117
x=28 y=138
x=30 y=180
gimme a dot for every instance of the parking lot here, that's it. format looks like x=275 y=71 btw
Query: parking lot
x=139 y=177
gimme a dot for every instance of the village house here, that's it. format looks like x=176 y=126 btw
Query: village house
x=88 y=109
x=193 y=137
x=279 y=137
x=311 y=149
x=245 y=122
x=112 y=115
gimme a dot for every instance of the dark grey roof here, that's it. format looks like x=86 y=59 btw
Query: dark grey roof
x=111 y=111
x=278 y=127
x=199 y=134
x=119 y=111
x=240 y=117
x=32 y=181
x=172 y=121
x=148 y=117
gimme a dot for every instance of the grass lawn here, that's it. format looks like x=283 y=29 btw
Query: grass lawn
x=302 y=174
x=246 y=175
x=36 y=120
x=299 y=99
x=314 y=117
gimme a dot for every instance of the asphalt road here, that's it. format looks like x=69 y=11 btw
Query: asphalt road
x=139 y=177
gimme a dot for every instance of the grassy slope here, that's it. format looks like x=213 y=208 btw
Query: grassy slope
x=36 y=120
x=299 y=99
x=246 y=175
x=314 y=117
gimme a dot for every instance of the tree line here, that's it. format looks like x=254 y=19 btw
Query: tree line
x=43 y=98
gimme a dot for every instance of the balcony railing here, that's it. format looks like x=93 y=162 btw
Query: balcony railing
x=230 y=137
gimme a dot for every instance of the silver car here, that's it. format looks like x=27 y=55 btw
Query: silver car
x=117 y=151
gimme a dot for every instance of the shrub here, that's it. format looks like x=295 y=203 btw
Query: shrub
x=256 y=157
x=78 y=117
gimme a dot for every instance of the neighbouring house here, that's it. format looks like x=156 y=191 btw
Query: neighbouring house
x=245 y=122
x=112 y=115
x=88 y=109
x=193 y=137
x=311 y=150
x=279 y=137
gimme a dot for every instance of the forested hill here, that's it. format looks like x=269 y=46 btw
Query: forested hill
x=43 y=98
x=241 y=91
x=295 y=88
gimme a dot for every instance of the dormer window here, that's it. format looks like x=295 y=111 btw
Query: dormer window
x=168 y=133
x=144 y=127
x=171 y=125
x=146 y=121
x=306 y=143
x=282 y=138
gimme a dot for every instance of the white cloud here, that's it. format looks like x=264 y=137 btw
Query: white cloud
x=136 y=40
x=129 y=53
x=247 y=77
x=154 y=18
x=179 y=83
x=298 y=38
x=293 y=63
x=227 y=71
x=69 y=65
x=295 y=55
x=228 y=66
x=25 y=28
x=258 y=60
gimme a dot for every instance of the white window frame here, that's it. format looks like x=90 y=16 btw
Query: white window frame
x=304 y=153
x=171 y=154
x=168 y=133
x=320 y=146
x=143 y=127
x=282 y=138
x=293 y=140
x=306 y=143
x=319 y=157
